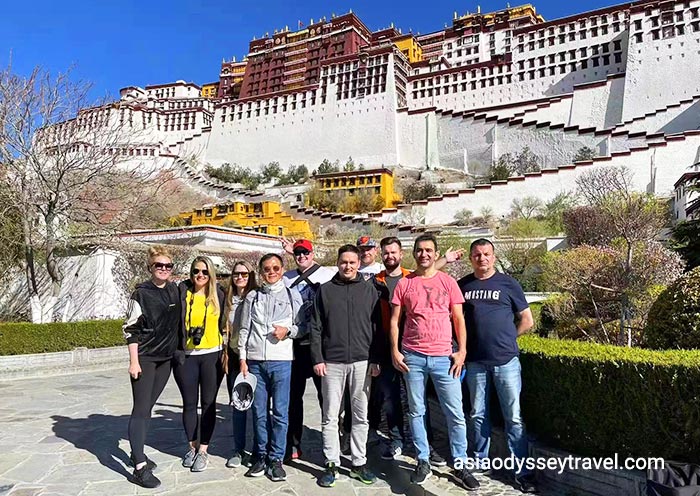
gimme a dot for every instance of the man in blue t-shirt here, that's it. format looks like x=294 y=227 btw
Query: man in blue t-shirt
x=496 y=313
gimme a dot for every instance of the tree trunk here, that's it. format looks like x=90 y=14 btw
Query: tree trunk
x=52 y=268
x=625 y=335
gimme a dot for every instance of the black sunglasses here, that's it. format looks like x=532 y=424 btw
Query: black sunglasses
x=301 y=252
x=204 y=272
x=161 y=266
x=244 y=275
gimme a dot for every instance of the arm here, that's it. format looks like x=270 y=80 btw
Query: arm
x=131 y=330
x=525 y=321
x=449 y=257
x=287 y=244
x=376 y=350
x=316 y=334
x=293 y=330
x=244 y=332
x=460 y=355
x=396 y=355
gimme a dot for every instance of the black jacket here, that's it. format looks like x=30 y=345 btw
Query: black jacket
x=187 y=285
x=153 y=320
x=345 y=322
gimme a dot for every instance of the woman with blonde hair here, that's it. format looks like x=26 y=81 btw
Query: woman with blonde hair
x=242 y=282
x=203 y=321
x=151 y=331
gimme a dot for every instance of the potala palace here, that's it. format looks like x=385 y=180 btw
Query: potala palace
x=622 y=81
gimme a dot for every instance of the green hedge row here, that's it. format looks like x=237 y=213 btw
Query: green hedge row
x=598 y=400
x=22 y=338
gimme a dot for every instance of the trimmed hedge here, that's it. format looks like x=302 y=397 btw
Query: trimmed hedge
x=598 y=400
x=23 y=338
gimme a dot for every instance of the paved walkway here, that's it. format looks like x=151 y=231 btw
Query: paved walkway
x=66 y=436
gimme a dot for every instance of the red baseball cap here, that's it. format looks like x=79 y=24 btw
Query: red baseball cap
x=304 y=244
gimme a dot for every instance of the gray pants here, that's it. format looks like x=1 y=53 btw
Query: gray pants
x=357 y=378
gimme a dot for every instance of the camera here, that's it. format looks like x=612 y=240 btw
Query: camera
x=196 y=333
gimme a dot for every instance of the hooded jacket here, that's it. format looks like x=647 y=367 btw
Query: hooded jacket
x=264 y=307
x=153 y=321
x=344 y=326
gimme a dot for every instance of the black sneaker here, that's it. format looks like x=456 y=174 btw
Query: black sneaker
x=145 y=478
x=329 y=476
x=436 y=460
x=257 y=469
x=363 y=474
x=149 y=463
x=275 y=472
x=526 y=483
x=467 y=480
x=422 y=473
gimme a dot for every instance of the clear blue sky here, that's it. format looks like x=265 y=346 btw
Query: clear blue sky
x=117 y=44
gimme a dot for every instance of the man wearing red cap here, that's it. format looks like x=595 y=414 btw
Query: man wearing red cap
x=306 y=279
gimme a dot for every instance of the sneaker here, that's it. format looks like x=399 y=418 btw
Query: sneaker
x=422 y=473
x=201 y=461
x=235 y=460
x=466 y=479
x=374 y=437
x=526 y=483
x=329 y=476
x=363 y=474
x=392 y=451
x=481 y=467
x=149 y=463
x=296 y=453
x=188 y=459
x=275 y=471
x=345 y=443
x=145 y=478
x=436 y=460
x=257 y=469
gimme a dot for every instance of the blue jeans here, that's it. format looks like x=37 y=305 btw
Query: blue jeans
x=508 y=382
x=274 y=377
x=389 y=384
x=449 y=392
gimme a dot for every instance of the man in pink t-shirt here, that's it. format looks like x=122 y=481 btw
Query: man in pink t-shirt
x=432 y=304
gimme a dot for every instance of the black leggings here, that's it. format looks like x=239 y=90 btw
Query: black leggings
x=199 y=374
x=145 y=390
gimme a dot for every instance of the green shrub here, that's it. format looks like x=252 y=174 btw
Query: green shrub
x=597 y=400
x=674 y=318
x=23 y=338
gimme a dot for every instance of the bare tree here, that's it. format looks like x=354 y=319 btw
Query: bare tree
x=526 y=207
x=633 y=217
x=69 y=167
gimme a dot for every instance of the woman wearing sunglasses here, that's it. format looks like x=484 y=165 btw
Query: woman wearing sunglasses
x=268 y=322
x=242 y=282
x=151 y=330
x=203 y=320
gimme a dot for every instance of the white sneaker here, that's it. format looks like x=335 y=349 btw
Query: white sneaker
x=393 y=451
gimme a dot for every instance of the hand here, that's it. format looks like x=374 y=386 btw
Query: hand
x=453 y=255
x=397 y=360
x=288 y=245
x=244 y=368
x=457 y=358
x=320 y=369
x=280 y=332
x=374 y=369
x=135 y=370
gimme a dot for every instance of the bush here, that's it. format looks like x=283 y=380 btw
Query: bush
x=24 y=338
x=419 y=190
x=598 y=400
x=674 y=318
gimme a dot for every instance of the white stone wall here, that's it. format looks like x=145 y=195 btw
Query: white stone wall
x=670 y=120
x=662 y=71
x=598 y=105
x=668 y=162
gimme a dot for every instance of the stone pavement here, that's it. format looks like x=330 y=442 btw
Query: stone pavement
x=66 y=435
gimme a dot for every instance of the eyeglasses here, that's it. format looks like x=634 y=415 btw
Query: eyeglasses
x=244 y=275
x=163 y=266
x=270 y=270
x=204 y=272
x=298 y=253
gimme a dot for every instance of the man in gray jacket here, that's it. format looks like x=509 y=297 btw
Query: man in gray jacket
x=345 y=350
x=268 y=320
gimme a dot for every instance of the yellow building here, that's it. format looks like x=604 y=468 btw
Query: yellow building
x=264 y=217
x=410 y=47
x=210 y=90
x=377 y=181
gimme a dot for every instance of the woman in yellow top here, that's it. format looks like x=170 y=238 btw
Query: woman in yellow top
x=203 y=320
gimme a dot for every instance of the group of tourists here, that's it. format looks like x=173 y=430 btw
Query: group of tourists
x=367 y=333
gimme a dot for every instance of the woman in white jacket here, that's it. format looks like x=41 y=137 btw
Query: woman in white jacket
x=268 y=321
